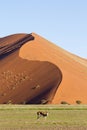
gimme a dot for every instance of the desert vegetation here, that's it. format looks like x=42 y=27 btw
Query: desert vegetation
x=78 y=102
x=61 y=117
x=12 y=79
x=64 y=102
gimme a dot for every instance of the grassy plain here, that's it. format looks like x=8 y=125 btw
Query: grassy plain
x=61 y=117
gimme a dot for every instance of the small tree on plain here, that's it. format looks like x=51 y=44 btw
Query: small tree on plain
x=64 y=102
x=78 y=102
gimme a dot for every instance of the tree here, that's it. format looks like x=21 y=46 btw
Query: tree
x=78 y=102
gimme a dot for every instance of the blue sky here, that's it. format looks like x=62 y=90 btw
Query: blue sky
x=64 y=22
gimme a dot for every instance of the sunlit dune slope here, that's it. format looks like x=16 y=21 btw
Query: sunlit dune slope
x=74 y=69
x=34 y=70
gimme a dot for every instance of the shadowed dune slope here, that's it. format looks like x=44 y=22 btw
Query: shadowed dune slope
x=34 y=70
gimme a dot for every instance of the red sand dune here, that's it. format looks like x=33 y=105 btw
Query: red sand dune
x=34 y=70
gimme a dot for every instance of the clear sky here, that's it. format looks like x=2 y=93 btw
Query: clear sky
x=63 y=22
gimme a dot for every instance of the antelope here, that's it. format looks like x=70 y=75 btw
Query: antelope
x=41 y=114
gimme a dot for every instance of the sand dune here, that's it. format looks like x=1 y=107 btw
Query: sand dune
x=34 y=70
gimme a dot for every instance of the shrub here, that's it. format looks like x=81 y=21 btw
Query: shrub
x=78 y=102
x=3 y=94
x=44 y=101
x=64 y=102
x=35 y=87
x=9 y=102
x=24 y=102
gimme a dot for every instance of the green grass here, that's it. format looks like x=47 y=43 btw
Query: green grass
x=61 y=117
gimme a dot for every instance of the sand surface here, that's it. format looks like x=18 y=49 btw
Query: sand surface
x=34 y=70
